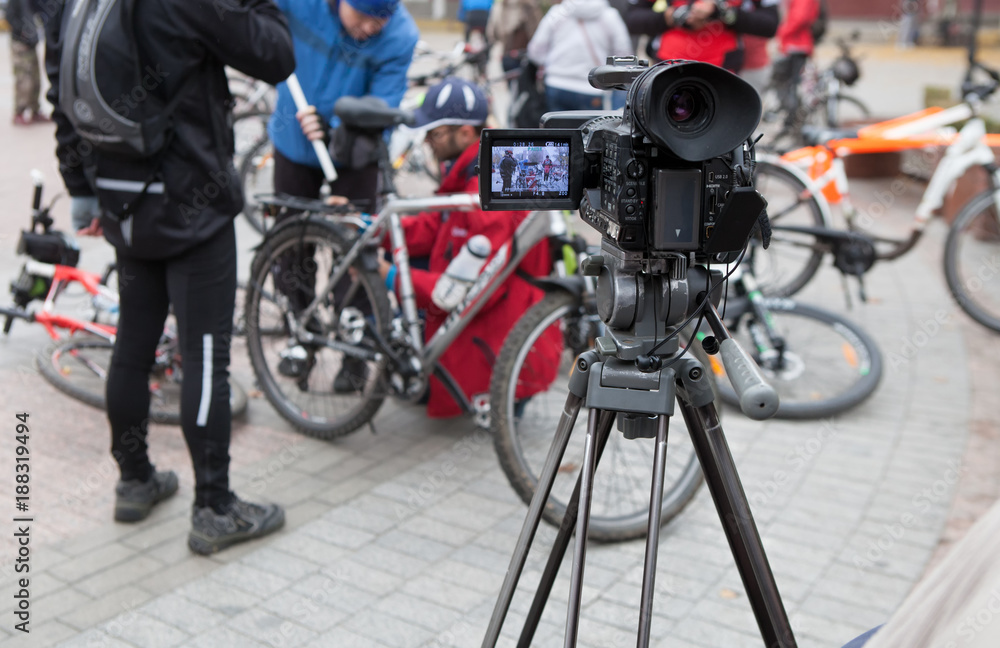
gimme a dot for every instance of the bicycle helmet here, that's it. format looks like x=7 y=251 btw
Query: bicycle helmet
x=846 y=71
x=452 y=102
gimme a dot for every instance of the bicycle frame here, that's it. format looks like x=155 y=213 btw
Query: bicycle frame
x=535 y=228
x=62 y=276
x=827 y=179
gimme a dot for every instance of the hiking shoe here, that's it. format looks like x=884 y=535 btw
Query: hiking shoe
x=352 y=376
x=212 y=531
x=134 y=499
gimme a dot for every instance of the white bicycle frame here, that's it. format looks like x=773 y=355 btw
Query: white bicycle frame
x=966 y=150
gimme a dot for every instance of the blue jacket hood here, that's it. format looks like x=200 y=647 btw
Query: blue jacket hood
x=330 y=64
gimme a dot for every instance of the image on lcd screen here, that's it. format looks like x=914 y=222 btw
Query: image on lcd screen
x=533 y=169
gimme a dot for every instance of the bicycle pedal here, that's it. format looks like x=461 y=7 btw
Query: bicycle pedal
x=295 y=362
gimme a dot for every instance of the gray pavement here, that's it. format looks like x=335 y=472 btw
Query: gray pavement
x=401 y=538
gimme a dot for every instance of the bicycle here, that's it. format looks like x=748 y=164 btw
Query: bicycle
x=76 y=363
x=825 y=182
x=822 y=100
x=354 y=320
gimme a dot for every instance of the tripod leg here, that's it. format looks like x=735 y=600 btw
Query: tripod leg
x=561 y=543
x=533 y=518
x=653 y=534
x=586 y=481
x=737 y=521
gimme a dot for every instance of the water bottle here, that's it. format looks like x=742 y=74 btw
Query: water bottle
x=105 y=309
x=450 y=289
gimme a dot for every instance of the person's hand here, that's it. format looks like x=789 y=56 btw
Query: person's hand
x=313 y=126
x=85 y=214
x=337 y=200
x=702 y=11
x=383 y=267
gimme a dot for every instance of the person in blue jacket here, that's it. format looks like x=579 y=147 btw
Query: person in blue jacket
x=475 y=14
x=342 y=48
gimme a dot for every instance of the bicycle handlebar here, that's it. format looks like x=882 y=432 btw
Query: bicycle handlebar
x=981 y=91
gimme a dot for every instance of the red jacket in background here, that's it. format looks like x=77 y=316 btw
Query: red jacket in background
x=440 y=236
x=795 y=32
x=710 y=44
x=755 y=54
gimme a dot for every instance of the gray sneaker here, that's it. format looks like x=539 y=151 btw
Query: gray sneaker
x=134 y=499
x=212 y=532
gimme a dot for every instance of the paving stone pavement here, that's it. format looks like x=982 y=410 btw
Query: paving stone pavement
x=401 y=538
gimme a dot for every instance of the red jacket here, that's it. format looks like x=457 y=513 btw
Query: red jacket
x=440 y=235
x=795 y=33
x=710 y=44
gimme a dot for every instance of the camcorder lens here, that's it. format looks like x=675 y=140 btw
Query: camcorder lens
x=683 y=105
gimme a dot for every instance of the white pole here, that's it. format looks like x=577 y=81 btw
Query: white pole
x=300 y=103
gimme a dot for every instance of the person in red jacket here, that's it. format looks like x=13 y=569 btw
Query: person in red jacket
x=702 y=30
x=453 y=114
x=795 y=40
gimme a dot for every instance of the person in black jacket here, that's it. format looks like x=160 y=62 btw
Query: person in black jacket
x=702 y=30
x=176 y=245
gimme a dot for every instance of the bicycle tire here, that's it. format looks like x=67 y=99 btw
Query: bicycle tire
x=810 y=384
x=309 y=403
x=972 y=260
x=93 y=356
x=256 y=173
x=792 y=259
x=835 y=116
x=522 y=441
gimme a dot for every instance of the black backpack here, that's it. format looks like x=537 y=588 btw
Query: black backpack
x=528 y=98
x=104 y=89
x=819 y=25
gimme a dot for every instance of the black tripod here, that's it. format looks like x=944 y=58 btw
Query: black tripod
x=611 y=383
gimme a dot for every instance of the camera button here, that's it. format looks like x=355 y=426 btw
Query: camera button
x=630 y=209
x=630 y=192
x=635 y=169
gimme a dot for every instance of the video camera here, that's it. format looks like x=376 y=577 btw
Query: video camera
x=671 y=173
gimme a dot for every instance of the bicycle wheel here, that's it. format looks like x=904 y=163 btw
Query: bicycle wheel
x=845 y=111
x=792 y=259
x=249 y=128
x=525 y=412
x=257 y=177
x=79 y=369
x=829 y=364
x=308 y=396
x=972 y=260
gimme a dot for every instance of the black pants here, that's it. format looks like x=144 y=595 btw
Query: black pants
x=790 y=100
x=200 y=284
x=360 y=186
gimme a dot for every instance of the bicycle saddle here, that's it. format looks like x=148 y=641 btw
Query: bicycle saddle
x=818 y=135
x=370 y=113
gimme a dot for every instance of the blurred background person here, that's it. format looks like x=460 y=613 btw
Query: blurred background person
x=21 y=16
x=574 y=37
x=703 y=30
x=795 y=40
x=512 y=23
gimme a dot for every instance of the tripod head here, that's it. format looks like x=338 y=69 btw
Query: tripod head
x=645 y=299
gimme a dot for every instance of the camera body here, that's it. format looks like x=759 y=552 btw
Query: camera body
x=671 y=173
